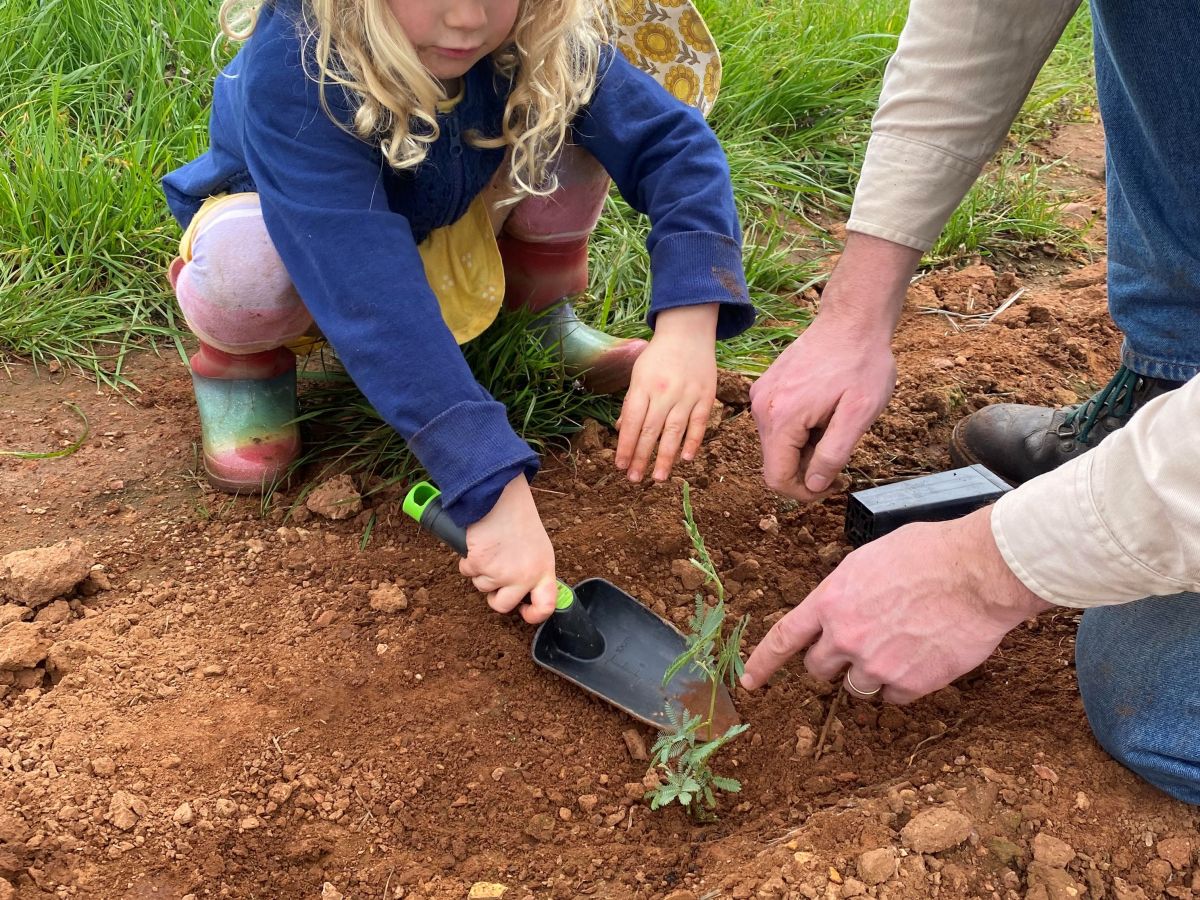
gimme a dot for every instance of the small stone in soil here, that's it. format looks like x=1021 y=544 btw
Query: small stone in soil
x=634 y=744
x=934 y=830
x=877 y=866
x=485 y=890
x=12 y=612
x=540 y=827
x=336 y=498
x=388 y=598
x=36 y=576
x=1005 y=851
x=689 y=576
x=22 y=646
x=806 y=740
x=324 y=620
x=1175 y=850
x=124 y=810
x=54 y=613
x=66 y=657
x=733 y=388
x=1052 y=851
x=1045 y=773
x=830 y=554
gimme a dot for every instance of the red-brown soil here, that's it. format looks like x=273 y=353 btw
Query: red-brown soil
x=325 y=748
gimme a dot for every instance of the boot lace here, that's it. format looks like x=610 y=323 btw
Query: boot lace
x=1114 y=399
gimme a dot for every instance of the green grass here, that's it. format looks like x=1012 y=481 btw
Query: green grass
x=100 y=98
x=97 y=101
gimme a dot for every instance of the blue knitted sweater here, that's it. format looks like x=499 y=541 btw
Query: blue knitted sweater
x=347 y=226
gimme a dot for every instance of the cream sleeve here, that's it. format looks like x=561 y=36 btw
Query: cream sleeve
x=1119 y=523
x=958 y=78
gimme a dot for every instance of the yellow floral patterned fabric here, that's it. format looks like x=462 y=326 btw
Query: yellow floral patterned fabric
x=668 y=40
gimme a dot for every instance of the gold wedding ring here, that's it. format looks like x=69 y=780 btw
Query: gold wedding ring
x=858 y=692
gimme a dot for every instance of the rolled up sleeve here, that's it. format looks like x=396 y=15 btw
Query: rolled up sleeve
x=1119 y=523
x=960 y=73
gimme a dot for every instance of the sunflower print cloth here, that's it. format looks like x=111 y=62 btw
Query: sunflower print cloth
x=669 y=41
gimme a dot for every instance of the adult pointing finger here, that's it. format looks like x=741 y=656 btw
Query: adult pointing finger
x=904 y=615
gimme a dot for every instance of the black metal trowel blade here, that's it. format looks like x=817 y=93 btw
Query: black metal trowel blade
x=639 y=648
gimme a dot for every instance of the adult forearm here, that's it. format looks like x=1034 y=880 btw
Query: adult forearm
x=957 y=80
x=866 y=290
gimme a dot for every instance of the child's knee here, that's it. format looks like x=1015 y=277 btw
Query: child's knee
x=235 y=292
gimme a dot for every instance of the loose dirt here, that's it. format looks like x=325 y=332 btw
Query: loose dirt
x=264 y=703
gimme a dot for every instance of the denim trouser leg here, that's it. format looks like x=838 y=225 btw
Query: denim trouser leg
x=1148 y=74
x=1139 y=674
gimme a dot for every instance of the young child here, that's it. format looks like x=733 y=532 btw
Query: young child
x=396 y=171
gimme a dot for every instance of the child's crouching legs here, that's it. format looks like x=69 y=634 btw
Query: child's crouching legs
x=544 y=244
x=233 y=289
x=237 y=298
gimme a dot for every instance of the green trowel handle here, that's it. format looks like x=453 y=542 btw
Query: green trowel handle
x=573 y=629
x=423 y=504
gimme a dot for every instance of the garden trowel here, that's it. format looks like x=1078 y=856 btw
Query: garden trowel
x=603 y=640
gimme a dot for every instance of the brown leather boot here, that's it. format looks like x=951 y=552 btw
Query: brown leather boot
x=1020 y=442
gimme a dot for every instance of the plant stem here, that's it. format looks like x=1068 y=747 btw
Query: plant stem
x=712 y=706
x=828 y=721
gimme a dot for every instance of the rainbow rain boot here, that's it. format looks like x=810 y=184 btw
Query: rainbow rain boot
x=248 y=412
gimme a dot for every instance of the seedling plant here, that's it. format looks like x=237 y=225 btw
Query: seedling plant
x=683 y=754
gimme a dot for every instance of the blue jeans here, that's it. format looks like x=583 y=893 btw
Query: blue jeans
x=1139 y=674
x=1148 y=76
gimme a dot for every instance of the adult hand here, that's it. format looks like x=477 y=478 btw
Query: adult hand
x=821 y=395
x=905 y=614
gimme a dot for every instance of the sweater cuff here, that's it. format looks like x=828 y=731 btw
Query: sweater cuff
x=908 y=190
x=470 y=451
x=695 y=267
x=479 y=500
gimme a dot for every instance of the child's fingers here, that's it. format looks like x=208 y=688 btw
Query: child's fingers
x=485 y=584
x=647 y=437
x=697 y=425
x=542 y=600
x=668 y=446
x=507 y=598
x=633 y=412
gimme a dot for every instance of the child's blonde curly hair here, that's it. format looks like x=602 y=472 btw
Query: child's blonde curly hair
x=553 y=58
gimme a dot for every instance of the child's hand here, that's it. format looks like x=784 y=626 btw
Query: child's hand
x=671 y=392
x=509 y=555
